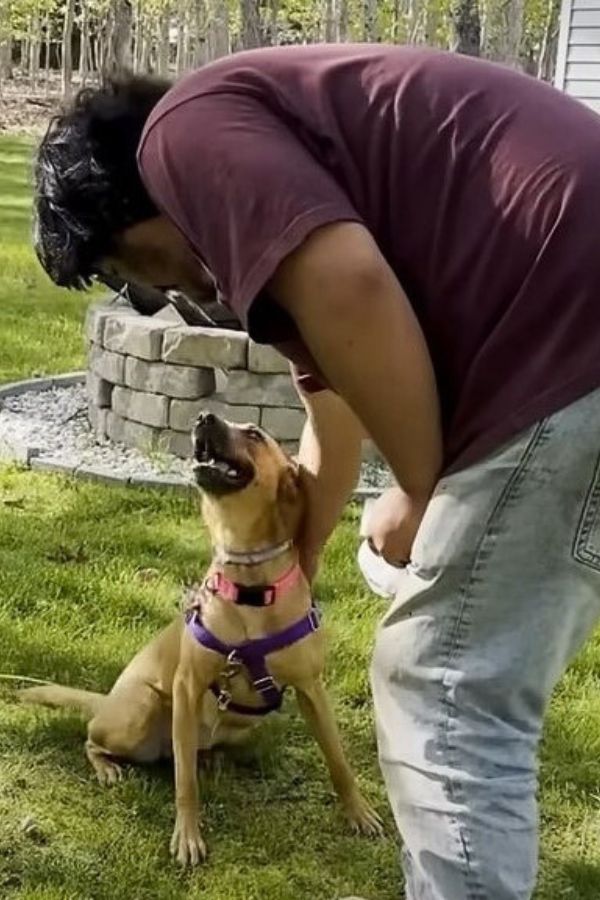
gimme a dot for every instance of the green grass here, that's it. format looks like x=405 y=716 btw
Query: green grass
x=74 y=606
x=40 y=325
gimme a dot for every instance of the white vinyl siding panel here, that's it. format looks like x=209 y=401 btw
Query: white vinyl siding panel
x=592 y=103
x=578 y=60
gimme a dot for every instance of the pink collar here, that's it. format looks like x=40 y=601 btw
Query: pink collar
x=252 y=595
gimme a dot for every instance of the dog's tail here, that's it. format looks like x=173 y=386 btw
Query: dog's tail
x=86 y=702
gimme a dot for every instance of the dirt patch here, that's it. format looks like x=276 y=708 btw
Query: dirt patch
x=27 y=109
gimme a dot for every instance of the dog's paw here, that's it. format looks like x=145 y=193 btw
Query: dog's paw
x=362 y=817
x=107 y=772
x=187 y=845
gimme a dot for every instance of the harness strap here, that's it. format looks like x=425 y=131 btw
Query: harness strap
x=252 y=654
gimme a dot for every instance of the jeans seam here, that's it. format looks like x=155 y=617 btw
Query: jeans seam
x=456 y=642
x=587 y=519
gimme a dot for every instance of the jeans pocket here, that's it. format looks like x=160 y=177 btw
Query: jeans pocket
x=586 y=546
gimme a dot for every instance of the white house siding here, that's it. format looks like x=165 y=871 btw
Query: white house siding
x=578 y=60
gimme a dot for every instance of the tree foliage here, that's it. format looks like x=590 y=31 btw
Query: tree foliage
x=170 y=36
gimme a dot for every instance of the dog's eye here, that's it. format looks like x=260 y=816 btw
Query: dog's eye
x=255 y=435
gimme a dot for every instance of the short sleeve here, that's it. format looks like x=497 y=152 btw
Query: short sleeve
x=245 y=190
x=306 y=374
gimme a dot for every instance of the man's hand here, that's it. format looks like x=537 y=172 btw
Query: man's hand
x=394 y=520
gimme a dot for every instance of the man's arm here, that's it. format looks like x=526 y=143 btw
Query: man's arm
x=357 y=322
x=330 y=454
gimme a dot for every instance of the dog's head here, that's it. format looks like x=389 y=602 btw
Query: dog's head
x=251 y=488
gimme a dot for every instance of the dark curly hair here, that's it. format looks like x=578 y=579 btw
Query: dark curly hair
x=87 y=184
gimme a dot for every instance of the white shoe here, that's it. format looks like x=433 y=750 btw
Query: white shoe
x=382 y=577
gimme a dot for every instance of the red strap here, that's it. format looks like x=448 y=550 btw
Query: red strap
x=286 y=582
x=228 y=590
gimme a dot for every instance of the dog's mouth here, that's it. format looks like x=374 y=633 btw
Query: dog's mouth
x=216 y=470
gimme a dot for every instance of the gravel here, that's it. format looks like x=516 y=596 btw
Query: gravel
x=53 y=426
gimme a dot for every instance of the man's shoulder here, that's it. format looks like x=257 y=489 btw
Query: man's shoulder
x=271 y=72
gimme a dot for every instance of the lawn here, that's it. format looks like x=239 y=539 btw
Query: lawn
x=87 y=574
x=39 y=324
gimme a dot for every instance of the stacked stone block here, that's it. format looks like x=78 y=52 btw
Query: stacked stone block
x=149 y=378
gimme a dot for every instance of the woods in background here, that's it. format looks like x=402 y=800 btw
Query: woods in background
x=83 y=39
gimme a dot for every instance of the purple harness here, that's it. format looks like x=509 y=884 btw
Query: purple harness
x=252 y=655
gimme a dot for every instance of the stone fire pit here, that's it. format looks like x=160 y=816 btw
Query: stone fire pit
x=128 y=418
x=149 y=377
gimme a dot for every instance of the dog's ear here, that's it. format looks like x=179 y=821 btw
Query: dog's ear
x=289 y=483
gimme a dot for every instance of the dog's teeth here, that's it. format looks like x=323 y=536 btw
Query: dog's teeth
x=232 y=472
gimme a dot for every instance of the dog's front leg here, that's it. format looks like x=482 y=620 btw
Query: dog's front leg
x=191 y=683
x=316 y=709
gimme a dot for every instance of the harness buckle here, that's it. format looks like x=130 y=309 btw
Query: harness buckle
x=223 y=700
x=265 y=684
x=234 y=660
x=314 y=618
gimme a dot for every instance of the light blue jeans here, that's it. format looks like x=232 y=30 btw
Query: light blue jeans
x=503 y=587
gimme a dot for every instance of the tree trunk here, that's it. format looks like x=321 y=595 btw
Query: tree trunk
x=395 y=28
x=370 y=21
x=100 y=52
x=200 y=26
x=514 y=33
x=135 y=36
x=467 y=27
x=5 y=60
x=341 y=20
x=432 y=21
x=67 y=50
x=163 y=42
x=545 y=63
x=273 y=29
x=24 y=56
x=143 y=32
x=83 y=43
x=504 y=29
x=34 y=47
x=48 y=45
x=118 y=44
x=5 y=46
x=217 y=37
x=328 y=19
x=182 y=36
x=144 y=58
x=250 y=24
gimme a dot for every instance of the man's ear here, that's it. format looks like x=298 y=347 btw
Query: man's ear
x=289 y=483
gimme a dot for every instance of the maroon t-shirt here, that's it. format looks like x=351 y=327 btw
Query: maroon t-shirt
x=481 y=187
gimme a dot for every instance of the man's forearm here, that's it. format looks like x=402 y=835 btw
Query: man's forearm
x=330 y=454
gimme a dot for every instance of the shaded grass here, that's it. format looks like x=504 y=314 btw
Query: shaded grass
x=40 y=325
x=74 y=607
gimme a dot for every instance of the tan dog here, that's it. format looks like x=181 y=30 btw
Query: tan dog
x=185 y=691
